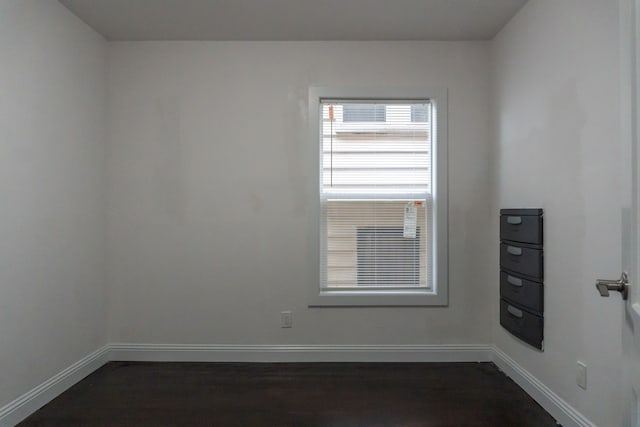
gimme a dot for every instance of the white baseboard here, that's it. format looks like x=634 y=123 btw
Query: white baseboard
x=565 y=414
x=31 y=401
x=28 y=403
x=300 y=353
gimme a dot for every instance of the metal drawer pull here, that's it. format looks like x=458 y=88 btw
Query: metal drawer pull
x=514 y=312
x=514 y=282
x=515 y=220
x=514 y=251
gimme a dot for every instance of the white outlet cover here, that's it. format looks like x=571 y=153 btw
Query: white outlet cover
x=286 y=319
x=581 y=375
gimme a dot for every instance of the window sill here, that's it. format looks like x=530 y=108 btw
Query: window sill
x=412 y=298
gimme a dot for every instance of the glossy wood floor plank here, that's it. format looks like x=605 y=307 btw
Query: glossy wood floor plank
x=318 y=394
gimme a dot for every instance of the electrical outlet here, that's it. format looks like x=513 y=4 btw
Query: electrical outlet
x=581 y=375
x=286 y=319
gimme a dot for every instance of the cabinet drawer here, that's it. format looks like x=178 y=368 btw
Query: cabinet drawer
x=521 y=225
x=523 y=292
x=522 y=259
x=524 y=325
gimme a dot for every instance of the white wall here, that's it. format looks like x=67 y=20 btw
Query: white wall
x=208 y=194
x=557 y=146
x=52 y=92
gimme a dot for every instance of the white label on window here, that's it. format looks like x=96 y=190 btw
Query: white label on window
x=410 y=221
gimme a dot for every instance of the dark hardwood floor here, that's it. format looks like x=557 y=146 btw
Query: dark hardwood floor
x=318 y=394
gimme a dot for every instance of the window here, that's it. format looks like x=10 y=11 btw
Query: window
x=381 y=197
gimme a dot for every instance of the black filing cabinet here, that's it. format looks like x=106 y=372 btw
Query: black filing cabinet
x=522 y=274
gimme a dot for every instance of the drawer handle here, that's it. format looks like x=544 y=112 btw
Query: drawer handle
x=514 y=281
x=514 y=312
x=514 y=251
x=515 y=220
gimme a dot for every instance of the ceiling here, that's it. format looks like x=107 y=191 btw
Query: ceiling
x=295 y=19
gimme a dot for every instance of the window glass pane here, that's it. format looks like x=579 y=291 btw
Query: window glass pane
x=366 y=245
x=373 y=173
x=394 y=155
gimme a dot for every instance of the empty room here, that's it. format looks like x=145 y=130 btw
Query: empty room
x=319 y=213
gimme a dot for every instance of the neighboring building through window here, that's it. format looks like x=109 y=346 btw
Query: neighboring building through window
x=364 y=113
x=386 y=257
x=419 y=113
x=378 y=113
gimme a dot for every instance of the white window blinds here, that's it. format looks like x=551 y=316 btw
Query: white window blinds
x=376 y=178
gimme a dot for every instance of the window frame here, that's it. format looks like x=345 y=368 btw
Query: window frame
x=438 y=293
